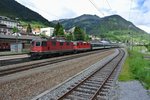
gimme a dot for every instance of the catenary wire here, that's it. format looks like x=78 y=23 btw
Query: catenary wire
x=96 y=7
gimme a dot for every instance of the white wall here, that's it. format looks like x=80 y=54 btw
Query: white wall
x=16 y=47
x=47 y=31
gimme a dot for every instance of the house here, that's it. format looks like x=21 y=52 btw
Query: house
x=36 y=31
x=71 y=30
x=93 y=37
x=47 y=31
x=4 y=29
x=7 y=24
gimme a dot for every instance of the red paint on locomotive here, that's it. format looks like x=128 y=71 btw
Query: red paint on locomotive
x=82 y=46
x=43 y=47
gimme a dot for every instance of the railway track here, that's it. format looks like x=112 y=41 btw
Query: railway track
x=12 y=70
x=97 y=84
x=23 y=60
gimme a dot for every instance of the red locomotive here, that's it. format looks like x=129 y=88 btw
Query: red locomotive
x=81 y=46
x=41 y=48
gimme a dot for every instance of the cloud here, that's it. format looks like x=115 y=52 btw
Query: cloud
x=140 y=14
x=137 y=11
x=68 y=13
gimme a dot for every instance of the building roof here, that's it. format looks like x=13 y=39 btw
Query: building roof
x=7 y=19
x=22 y=37
x=3 y=26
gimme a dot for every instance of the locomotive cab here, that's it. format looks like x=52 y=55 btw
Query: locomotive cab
x=37 y=47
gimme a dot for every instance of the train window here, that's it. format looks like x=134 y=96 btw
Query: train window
x=53 y=43
x=44 y=43
x=32 y=43
x=68 y=43
x=38 y=43
x=61 y=43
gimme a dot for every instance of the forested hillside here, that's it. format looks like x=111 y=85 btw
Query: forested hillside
x=96 y=25
x=13 y=9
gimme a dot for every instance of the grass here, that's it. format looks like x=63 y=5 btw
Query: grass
x=33 y=24
x=140 y=68
x=136 y=67
x=126 y=74
x=139 y=48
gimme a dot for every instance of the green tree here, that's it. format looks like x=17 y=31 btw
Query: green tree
x=15 y=30
x=59 y=30
x=87 y=38
x=29 y=29
x=56 y=29
x=43 y=36
x=69 y=37
x=79 y=35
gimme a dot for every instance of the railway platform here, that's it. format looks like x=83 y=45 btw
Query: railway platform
x=8 y=57
x=12 y=59
x=8 y=53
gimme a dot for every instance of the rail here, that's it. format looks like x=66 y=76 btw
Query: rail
x=91 y=86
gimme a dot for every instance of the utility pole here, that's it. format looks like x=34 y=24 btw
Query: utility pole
x=130 y=43
x=149 y=39
x=17 y=42
x=141 y=43
x=132 y=40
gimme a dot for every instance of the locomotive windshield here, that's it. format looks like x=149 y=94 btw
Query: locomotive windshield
x=38 y=43
x=44 y=43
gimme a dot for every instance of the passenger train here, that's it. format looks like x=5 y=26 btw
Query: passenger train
x=40 y=48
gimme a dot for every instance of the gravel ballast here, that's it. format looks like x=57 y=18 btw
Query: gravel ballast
x=132 y=90
x=57 y=91
x=28 y=84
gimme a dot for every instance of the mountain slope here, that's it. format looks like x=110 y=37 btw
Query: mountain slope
x=116 y=22
x=96 y=25
x=13 y=9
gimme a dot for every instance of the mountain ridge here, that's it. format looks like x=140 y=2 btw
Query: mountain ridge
x=96 y=25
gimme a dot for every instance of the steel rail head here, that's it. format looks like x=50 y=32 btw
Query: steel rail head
x=70 y=91
x=94 y=96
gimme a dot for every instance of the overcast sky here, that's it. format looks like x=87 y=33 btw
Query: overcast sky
x=136 y=11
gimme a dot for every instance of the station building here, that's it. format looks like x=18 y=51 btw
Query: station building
x=10 y=41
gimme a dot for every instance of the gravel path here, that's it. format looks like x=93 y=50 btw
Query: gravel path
x=26 y=85
x=132 y=90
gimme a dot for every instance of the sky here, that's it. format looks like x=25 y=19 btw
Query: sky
x=136 y=11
